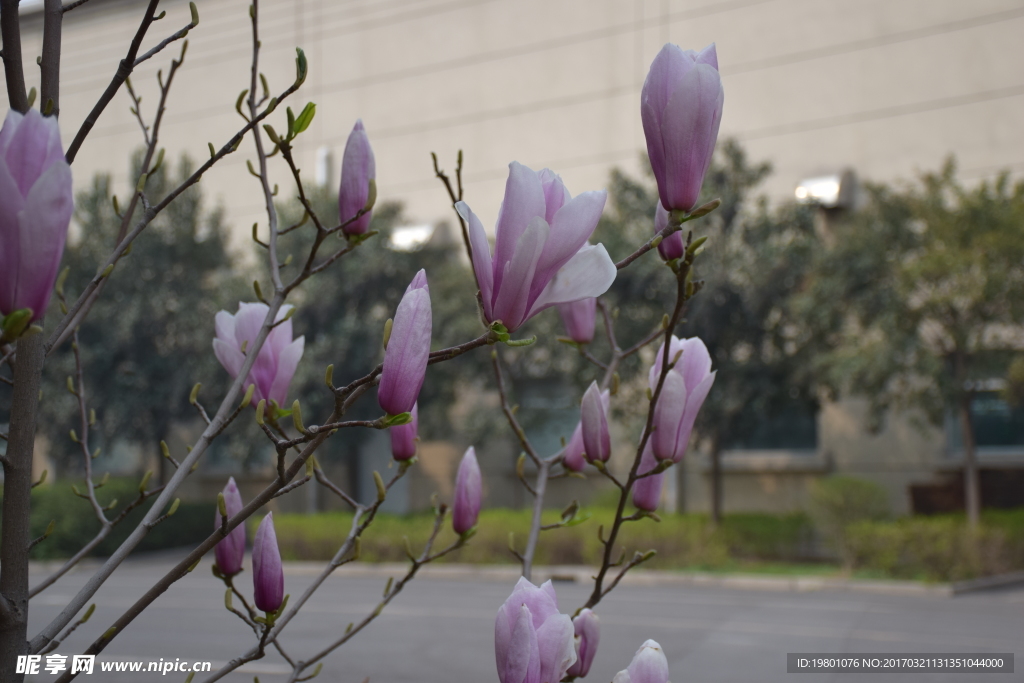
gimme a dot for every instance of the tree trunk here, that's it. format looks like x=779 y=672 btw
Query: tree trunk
x=17 y=505
x=972 y=492
x=716 y=479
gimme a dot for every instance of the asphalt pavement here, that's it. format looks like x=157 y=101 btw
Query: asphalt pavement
x=440 y=629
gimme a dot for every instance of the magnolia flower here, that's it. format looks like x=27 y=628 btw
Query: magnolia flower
x=278 y=357
x=681 y=109
x=578 y=318
x=36 y=203
x=405 y=359
x=358 y=170
x=686 y=386
x=594 y=424
x=575 y=456
x=267 y=572
x=230 y=551
x=672 y=246
x=575 y=452
x=649 y=665
x=588 y=632
x=647 y=491
x=533 y=643
x=541 y=256
x=466 y=505
x=404 y=437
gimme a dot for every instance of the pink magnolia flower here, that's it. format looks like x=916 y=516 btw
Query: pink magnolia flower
x=230 y=551
x=588 y=633
x=575 y=457
x=533 y=643
x=267 y=571
x=681 y=109
x=36 y=203
x=672 y=246
x=686 y=386
x=647 y=491
x=358 y=168
x=405 y=359
x=594 y=423
x=277 y=360
x=578 y=318
x=649 y=665
x=466 y=505
x=541 y=256
x=403 y=437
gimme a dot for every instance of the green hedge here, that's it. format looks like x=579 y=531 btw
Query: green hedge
x=76 y=525
x=940 y=548
x=681 y=540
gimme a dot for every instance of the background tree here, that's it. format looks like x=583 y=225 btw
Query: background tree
x=155 y=320
x=755 y=259
x=932 y=277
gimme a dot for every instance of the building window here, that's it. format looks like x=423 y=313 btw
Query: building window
x=794 y=427
x=997 y=424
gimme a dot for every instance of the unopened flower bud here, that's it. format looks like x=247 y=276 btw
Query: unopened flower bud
x=681 y=109
x=267 y=572
x=578 y=318
x=594 y=422
x=403 y=437
x=37 y=203
x=649 y=665
x=466 y=505
x=405 y=360
x=358 y=173
x=588 y=632
x=230 y=550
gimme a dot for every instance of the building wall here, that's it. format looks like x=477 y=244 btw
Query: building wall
x=887 y=87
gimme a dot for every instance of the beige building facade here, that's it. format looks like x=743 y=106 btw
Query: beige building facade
x=884 y=87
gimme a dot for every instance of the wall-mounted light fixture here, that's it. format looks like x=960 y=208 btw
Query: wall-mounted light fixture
x=830 y=191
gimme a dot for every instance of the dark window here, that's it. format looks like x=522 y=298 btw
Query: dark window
x=996 y=423
x=794 y=427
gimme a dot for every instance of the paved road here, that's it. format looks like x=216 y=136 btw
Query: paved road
x=441 y=630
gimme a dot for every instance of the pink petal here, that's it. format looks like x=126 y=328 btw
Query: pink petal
x=524 y=201
x=43 y=223
x=481 y=256
x=689 y=131
x=589 y=273
x=287 y=362
x=512 y=295
x=668 y=413
x=573 y=225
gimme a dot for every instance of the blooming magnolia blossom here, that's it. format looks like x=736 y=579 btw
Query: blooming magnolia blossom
x=588 y=632
x=404 y=437
x=649 y=665
x=358 y=169
x=578 y=318
x=686 y=386
x=533 y=643
x=278 y=357
x=230 y=551
x=405 y=359
x=267 y=571
x=647 y=491
x=541 y=256
x=36 y=203
x=597 y=442
x=672 y=246
x=681 y=110
x=466 y=504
